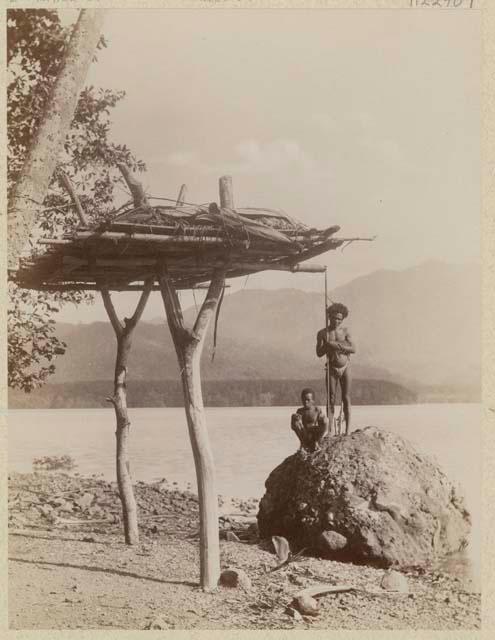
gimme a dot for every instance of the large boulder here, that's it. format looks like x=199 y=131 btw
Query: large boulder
x=366 y=497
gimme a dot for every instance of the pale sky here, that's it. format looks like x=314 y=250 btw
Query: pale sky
x=369 y=119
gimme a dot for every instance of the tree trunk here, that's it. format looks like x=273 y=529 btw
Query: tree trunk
x=124 y=481
x=32 y=185
x=189 y=346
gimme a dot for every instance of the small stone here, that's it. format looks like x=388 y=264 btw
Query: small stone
x=394 y=581
x=234 y=578
x=294 y=613
x=331 y=541
x=306 y=605
x=46 y=510
x=158 y=623
x=89 y=539
x=66 y=507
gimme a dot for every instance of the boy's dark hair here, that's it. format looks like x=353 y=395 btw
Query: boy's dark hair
x=338 y=307
x=305 y=392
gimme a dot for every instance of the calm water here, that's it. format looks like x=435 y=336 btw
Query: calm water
x=247 y=442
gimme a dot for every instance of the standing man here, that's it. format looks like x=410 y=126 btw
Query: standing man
x=336 y=343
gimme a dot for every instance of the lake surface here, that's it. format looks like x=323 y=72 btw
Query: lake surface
x=247 y=442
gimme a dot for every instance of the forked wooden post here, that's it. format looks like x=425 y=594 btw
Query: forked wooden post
x=189 y=346
x=123 y=333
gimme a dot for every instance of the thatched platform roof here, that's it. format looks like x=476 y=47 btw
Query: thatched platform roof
x=190 y=241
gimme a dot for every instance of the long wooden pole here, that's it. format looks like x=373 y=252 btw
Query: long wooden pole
x=31 y=187
x=327 y=363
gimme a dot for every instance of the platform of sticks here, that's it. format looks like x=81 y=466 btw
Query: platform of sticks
x=190 y=241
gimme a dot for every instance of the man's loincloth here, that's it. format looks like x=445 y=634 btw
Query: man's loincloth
x=338 y=372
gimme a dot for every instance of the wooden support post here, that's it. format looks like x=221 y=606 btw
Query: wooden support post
x=123 y=333
x=226 y=194
x=67 y=185
x=182 y=196
x=189 y=345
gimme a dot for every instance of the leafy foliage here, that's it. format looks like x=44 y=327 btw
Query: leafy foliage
x=36 y=41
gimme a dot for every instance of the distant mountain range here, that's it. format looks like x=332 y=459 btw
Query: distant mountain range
x=419 y=327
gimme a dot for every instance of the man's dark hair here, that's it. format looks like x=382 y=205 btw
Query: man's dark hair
x=305 y=392
x=337 y=307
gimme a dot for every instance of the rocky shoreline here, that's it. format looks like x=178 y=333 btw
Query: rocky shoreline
x=69 y=568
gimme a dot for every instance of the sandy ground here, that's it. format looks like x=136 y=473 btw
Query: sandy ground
x=83 y=576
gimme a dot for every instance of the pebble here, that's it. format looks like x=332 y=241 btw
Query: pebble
x=294 y=613
x=234 y=578
x=85 y=500
x=394 y=581
x=306 y=605
x=158 y=624
x=331 y=541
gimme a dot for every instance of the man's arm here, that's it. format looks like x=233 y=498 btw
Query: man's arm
x=321 y=343
x=349 y=347
x=324 y=346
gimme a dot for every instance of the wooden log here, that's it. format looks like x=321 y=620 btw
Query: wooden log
x=91 y=286
x=67 y=185
x=146 y=237
x=206 y=266
x=123 y=333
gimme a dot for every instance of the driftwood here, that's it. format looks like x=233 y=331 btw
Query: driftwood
x=323 y=589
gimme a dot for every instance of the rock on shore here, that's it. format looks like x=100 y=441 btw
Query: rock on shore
x=367 y=497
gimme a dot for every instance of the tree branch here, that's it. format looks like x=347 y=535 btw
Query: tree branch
x=67 y=185
x=118 y=327
x=135 y=187
x=180 y=334
x=145 y=294
x=209 y=304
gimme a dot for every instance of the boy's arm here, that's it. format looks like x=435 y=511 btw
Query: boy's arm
x=322 y=418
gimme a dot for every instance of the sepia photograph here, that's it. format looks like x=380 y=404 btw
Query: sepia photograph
x=244 y=318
